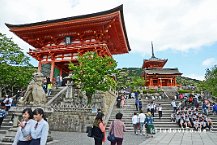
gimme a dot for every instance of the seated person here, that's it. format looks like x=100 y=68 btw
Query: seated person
x=202 y=124
x=178 y=117
x=187 y=121
x=196 y=124
x=209 y=123
x=182 y=121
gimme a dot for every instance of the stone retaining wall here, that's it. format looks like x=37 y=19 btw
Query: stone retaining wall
x=77 y=120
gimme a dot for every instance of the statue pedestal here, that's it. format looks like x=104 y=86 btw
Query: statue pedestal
x=17 y=112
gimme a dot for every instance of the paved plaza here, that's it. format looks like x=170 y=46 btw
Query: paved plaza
x=161 y=138
x=183 y=138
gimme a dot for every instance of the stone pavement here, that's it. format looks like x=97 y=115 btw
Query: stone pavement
x=161 y=138
x=74 y=138
x=183 y=138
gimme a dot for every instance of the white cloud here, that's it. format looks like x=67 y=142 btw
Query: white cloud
x=209 y=62
x=172 y=24
x=195 y=76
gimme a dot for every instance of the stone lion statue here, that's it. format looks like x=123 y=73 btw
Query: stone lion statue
x=35 y=94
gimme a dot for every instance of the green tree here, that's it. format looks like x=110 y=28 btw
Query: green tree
x=210 y=82
x=136 y=81
x=16 y=69
x=94 y=73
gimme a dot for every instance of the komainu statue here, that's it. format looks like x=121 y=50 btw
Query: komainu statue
x=35 y=94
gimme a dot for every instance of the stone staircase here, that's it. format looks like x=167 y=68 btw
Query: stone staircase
x=5 y=126
x=170 y=92
x=8 y=130
x=160 y=124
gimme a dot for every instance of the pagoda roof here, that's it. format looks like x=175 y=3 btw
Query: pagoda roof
x=110 y=22
x=154 y=61
x=164 y=71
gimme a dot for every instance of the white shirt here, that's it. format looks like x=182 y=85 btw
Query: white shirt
x=40 y=131
x=142 y=117
x=10 y=101
x=152 y=106
x=135 y=119
x=173 y=103
x=22 y=133
x=159 y=108
x=133 y=95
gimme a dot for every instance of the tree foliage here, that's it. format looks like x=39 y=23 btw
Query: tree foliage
x=16 y=70
x=210 y=82
x=94 y=73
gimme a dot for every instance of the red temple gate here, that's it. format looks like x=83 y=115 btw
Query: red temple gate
x=58 y=42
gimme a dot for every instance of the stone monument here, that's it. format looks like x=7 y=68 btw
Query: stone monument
x=35 y=94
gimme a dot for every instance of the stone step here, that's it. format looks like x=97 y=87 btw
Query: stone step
x=4 y=127
x=3 y=131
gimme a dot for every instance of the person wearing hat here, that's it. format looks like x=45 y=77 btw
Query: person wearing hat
x=149 y=123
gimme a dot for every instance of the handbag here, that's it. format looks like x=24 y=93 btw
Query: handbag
x=90 y=132
x=111 y=136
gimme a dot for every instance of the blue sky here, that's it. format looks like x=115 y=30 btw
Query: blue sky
x=183 y=31
x=192 y=63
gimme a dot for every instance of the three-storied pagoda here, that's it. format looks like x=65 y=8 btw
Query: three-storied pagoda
x=157 y=76
x=58 y=42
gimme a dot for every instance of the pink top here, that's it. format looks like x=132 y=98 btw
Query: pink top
x=118 y=129
x=102 y=128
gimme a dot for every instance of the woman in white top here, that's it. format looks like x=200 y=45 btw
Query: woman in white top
x=23 y=134
x=39 y=132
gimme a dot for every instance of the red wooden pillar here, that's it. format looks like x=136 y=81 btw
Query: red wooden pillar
x=61 y=72
x=175 y=81
x=151 y=82
x=171 y=82
x=52 y=70
x=160 y=82
x=39 y=66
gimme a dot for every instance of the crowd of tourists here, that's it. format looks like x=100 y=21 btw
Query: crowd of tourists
x=187 y=113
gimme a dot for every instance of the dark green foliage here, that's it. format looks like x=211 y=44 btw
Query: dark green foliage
x=210 y=82
x=16 y=70
x=94 y=73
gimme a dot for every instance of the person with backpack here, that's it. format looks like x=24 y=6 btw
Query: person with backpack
x=99 y=129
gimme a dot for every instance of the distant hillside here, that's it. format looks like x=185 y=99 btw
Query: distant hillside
x=126 y=74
